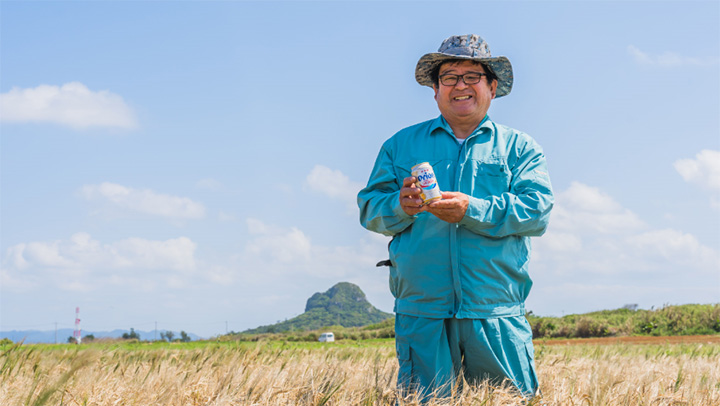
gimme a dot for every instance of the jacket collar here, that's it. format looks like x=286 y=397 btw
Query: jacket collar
x=440 y=123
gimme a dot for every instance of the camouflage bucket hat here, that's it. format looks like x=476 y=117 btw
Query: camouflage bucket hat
x=471 y=47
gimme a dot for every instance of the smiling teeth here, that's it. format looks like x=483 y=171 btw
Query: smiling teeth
x=462 y=98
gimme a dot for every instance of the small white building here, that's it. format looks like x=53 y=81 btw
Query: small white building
x=326 y=337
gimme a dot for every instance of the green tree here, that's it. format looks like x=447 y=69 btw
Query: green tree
x=131 y=335
x=184 y=337
x=167 y=335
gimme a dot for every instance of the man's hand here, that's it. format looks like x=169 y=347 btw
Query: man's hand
x=451 y=208
x=410 y=199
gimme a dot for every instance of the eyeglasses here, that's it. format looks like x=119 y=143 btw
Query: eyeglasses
x=469 y=78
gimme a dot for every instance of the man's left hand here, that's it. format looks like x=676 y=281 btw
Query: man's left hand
x=451 y=208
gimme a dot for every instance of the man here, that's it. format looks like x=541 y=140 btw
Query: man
x=459 y=266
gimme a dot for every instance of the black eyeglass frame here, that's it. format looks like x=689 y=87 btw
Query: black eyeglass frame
x=456 y=78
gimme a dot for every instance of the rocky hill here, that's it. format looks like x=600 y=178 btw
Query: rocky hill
x=344 y=305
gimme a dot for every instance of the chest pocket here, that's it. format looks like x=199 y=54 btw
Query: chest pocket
x=489 y=177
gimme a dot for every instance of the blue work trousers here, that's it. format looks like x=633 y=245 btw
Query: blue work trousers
x=434 y=353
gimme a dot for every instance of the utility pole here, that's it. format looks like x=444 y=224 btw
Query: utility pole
x=77 y=334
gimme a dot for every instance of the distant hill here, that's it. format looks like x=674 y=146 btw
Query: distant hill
x=688 y=319
x=670 y=320
x=344 y=305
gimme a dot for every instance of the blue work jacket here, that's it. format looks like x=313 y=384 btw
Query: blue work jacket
x=478 y=267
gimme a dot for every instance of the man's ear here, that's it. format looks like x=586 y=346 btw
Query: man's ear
x=493 y=87
x=435 y=89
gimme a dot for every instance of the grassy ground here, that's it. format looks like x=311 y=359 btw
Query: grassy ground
x=342 y=373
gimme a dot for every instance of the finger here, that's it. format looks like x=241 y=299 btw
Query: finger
x=410 y=197
x=409 y=181
x=449 y=195
x=413 y=193
x=411 y=206
x=411 y=201
x=444 y=204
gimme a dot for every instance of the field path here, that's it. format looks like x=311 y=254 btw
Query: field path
x=707 y=339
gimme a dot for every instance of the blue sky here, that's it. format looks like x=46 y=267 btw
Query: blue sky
x=196 y=163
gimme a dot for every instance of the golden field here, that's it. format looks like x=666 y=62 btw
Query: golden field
x=343 y=373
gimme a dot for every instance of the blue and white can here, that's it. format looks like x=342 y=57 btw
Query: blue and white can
x=427 y=182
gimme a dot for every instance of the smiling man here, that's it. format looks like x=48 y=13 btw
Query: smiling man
x=459 y=265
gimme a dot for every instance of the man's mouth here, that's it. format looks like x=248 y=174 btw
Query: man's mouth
x=460 y=98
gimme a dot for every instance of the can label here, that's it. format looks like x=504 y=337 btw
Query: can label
x=426 y=181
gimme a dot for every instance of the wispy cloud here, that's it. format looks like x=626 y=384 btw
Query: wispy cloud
x=71 y=104
x=334 y=184
x=669 y=59
x=144 y=201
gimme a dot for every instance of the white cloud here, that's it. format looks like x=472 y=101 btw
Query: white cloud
x=582 y=207
x=83 y=252
x=43 y=254
x=704 y=170
x=675 y=246
x=559 y=242
x=334 y=184
x=82 y=262
x=288 y=250
x=668 y=59
x=144 y=201
x=175 y=254
x=71 y=104
x=289 y=246
x=591 y=233
x=598 y=254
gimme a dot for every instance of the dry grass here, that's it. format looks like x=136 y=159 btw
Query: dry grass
x=343 y=373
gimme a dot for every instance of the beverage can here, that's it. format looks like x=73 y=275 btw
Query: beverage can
x=427 y=182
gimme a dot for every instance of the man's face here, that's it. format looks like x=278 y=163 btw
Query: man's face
x=464 y=104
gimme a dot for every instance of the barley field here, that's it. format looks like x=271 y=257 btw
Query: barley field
x=343 y=373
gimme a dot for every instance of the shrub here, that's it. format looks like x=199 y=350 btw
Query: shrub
x=587 y=327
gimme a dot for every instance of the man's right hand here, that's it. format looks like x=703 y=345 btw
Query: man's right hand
x=410 y=200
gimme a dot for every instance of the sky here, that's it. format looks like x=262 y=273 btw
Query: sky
x=194 y=165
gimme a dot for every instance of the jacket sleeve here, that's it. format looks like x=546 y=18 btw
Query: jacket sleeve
x=522 y=211
x=379 y=201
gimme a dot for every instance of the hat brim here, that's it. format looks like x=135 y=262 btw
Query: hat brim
x=500 y=65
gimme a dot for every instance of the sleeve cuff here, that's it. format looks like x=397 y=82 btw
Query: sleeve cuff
x=476 y=213
x=399 y=212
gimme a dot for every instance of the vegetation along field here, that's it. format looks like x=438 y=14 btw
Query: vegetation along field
x=664 y=357
x=346 y=372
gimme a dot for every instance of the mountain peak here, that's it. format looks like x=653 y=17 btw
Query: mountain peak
x=343 y=304
x=342 y=296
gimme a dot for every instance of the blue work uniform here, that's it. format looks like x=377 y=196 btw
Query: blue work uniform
x=457 y=276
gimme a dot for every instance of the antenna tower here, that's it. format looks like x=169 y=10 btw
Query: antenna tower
x=76 y=333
